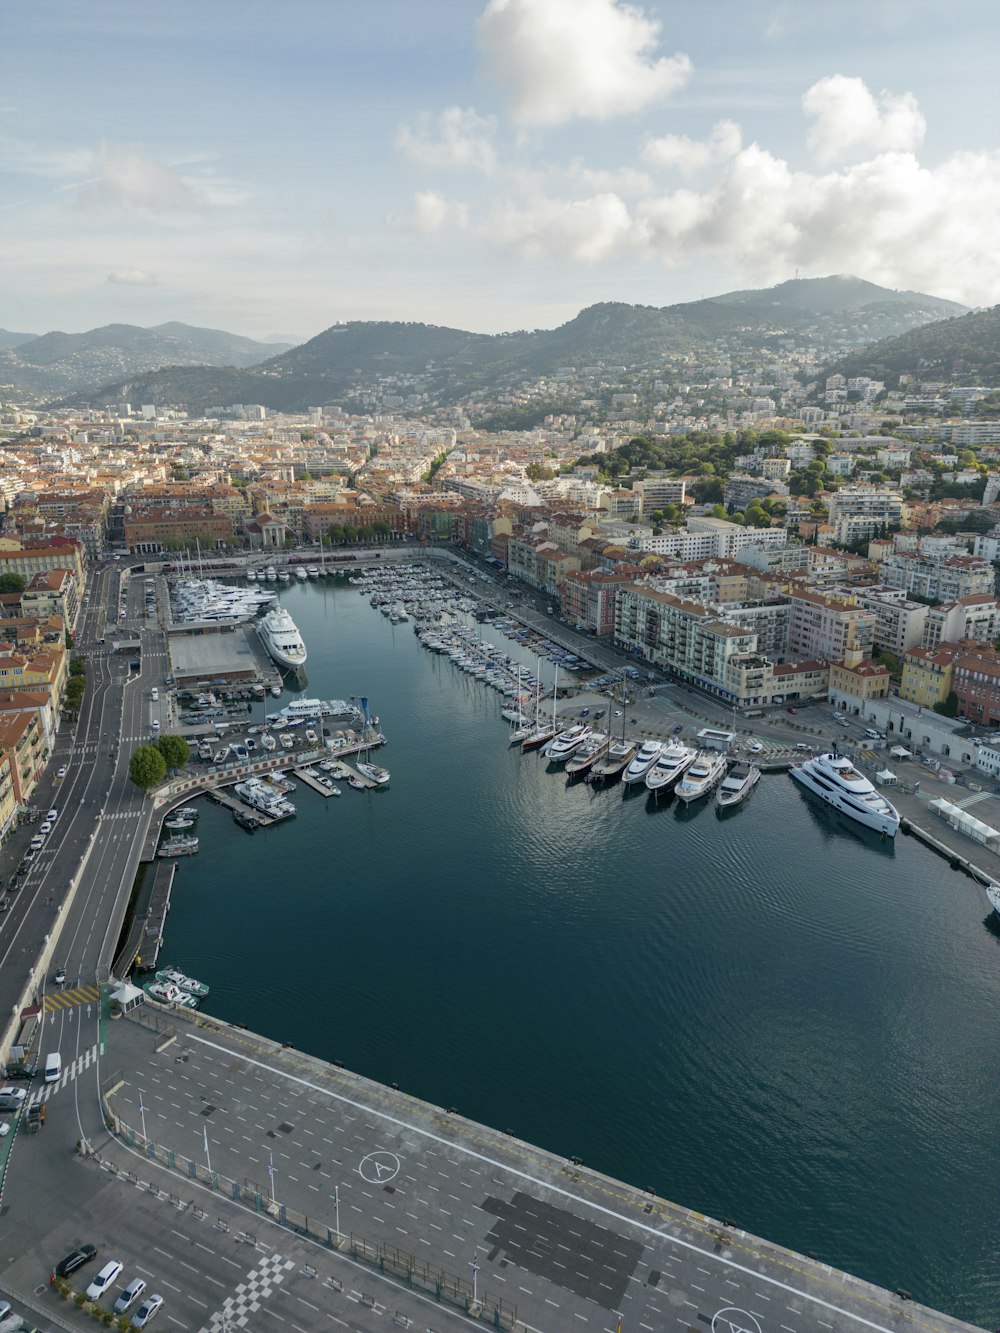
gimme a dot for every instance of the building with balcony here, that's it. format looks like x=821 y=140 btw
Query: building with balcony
x=926 y=678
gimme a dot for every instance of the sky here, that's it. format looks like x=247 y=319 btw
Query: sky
x=272 y=169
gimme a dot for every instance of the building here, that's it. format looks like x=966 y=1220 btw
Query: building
x=899 y=623
x=22 y=742
x=976 y=681
x=828 y=628
x=680 y=636
x=976 y=617
x=540 y=564
x=28 y=558
x=589 y=597
x=52 y=592
x=149 y=529
x=8 y=797
x=657 y=492
x=854 y=684
x=939 y=578
x=926 y=678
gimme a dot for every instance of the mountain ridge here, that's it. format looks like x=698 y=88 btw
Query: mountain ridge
x=454 y=363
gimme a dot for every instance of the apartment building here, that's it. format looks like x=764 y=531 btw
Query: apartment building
x=30 y=557
x=976 y=617
x=926 y=678
x=589 y=597
x=148 y=529
x=828 y=628
x=853 y=684
x=681 y=636
x=22 y=743
x=975 y=678
x=540 y=564
x=938 y=578
x=8 y=796
x=52 y=592
x=899 y=623
x=706 y=537
x=658 y=492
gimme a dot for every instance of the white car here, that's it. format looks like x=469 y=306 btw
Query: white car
x=61 y=773
x=45 y=828
x=104 y=1279
x=53 y=815
x=839 y=716
x=37 y=843
x=755 y=747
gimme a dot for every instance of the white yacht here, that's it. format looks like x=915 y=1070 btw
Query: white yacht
x=281 y=638
x=737 y=785
x=313 y=571
x=643 y=762
x=834 y=779
x=705 y=773
x=301 y=574
x=993 y=894
x=671 y=766
x=559 y=749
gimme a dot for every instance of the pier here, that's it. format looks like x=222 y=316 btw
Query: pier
x=304 y=775
x=149 y=921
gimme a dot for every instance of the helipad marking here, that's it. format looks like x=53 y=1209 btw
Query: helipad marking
x=378 y=1168
x=731 y=1320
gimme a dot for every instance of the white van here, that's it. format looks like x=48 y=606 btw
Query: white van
x=53 y=1067
x=871 y=735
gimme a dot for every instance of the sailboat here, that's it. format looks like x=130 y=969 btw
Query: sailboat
x=544 y=733
x=618 y=754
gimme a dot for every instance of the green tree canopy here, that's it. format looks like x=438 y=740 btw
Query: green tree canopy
x=538 y=472
x=175 y=750
x=147 y=767
x=12 y=583
x=948 y=707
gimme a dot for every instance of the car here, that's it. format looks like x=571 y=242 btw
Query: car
x=803 y=745
x=37 y=842
x=61 y=773
x=25 y=1072
x=27 y=859
x=45 y=828
x=104 y=1279
x=60 y=976
x=839 y=716
x=53 y=814
x=679 y=728
x=4 y=1131
x=129 y=1294
x=843 y=722
x=755 y=747
x=75 y=1260
x=791 y=710
x=11 y=1097
x=150 y=1306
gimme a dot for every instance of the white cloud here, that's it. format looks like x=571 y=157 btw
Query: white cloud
x=692 y=155
x=132 y=277
x=432 y=212
x=457 y=139
x=622 y=180
x=586 y=230
x=122 y=178
x=848 y=120
x=565 y=59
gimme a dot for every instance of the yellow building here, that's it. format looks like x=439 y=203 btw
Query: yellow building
x=853 y=683
x=926 y=676
x=8 y=798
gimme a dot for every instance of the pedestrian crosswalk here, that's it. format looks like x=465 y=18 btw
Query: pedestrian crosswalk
x=67 y=999
x=71 y=1072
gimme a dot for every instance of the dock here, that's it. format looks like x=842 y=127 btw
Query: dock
x=149 y=921
x=310 y=780
x=222 y=797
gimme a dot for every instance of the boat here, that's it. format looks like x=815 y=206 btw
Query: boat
x=333 y=790
x=245 y=821
x=188 y=811
x=268 y=741
x=187 y=984
x=165 y=992
x=313 y=572
x=178 y=822
x=287 y=740
x=737 y=785
x=618 y=755
x=221 y=756
x=834 y=779
x=538 y=737
x=356 y=783
x=559 y=749
x=380 y=776
x=671 y=766
x=284 y=576
x=270 y=573
x=637 y=769
x=178 y=846
x=264 y=797
x=301 y=574
x=311 y=737
x=281 y=638
x=592 y=749
x=704 y=774
x=993 y=894
x=276 y=691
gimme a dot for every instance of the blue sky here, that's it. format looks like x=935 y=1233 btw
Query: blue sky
x=490 y=164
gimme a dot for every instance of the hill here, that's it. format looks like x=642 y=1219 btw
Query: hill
x=452 y=364
x=57 y=364
x=9 y=339
x=967 y=347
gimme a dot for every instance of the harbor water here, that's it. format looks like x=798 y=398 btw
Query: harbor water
x=766 y=1017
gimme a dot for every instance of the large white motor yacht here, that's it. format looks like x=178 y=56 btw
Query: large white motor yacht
x=705 y=773
x=737 y=785
x=643 y=762
x=834 y=779
x=282 y=639
x=562 y=746
x=671 y=766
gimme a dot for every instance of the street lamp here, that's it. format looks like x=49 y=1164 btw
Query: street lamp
x=270 y=1172
x=336 y=1211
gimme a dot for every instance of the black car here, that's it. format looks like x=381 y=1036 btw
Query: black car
x=26 y=1072
x=76 y=1260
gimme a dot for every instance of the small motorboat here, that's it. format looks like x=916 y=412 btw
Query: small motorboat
x=187 y=984
x=356 y=783
x=177 y=822
x=311 y=737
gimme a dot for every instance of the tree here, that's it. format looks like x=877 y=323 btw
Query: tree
x=948 y=707
x=538 y=472
x=147 y=767
x=12 y=583
x=175 y=750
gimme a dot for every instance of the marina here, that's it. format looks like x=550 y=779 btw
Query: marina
x=716 y=927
